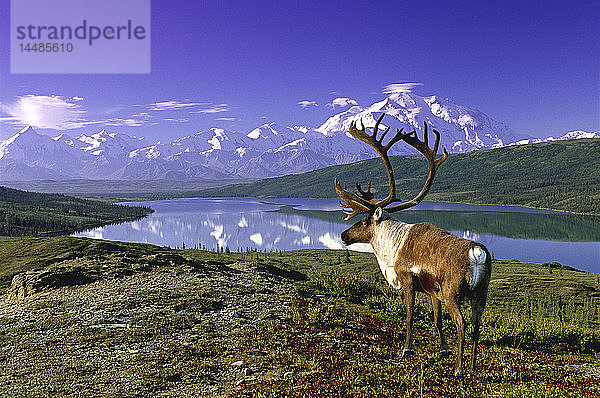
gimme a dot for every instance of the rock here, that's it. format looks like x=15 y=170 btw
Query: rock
x=101 y=329
x=30 y=282
x=81 y=271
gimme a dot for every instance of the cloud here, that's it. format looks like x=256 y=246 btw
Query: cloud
x=135 y=120
x=177 y=120
x=193 y=107
x=342 y=102
x=397 y=88
x=226 y=119
x=215 y=108
x=304 y=103
x=131 y=122
x=171 y=105
x=43 y=111
x=77 y=98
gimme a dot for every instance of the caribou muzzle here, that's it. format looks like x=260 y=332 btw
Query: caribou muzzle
x=346 y=239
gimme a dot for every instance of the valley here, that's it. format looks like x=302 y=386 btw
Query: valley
x=559 y=175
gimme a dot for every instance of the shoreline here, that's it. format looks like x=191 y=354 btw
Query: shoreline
x=169 y=197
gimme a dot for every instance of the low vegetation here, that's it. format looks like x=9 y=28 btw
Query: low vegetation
x=122 y=190
x=338 y=333
x=560 y=175
x=33 y=214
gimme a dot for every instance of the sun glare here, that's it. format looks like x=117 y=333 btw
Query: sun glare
x=30 y=112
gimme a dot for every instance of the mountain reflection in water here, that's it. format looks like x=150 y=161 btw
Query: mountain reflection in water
x=287 y=224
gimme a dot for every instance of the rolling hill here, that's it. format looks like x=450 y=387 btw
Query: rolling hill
x=560 y=175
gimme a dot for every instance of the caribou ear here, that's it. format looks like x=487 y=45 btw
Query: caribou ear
x=378 y=214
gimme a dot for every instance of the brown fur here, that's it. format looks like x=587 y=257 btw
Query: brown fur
x=436 y=253
x=436 y=262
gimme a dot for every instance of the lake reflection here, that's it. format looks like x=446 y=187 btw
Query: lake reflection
x=285 y=224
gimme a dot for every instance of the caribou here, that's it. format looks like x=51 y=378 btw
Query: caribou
x=419 y=257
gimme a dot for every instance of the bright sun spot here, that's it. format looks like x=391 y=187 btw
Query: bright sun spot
x=30 y=112
x=44 y=111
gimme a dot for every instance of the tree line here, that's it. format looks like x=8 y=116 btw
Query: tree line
x=33 y=214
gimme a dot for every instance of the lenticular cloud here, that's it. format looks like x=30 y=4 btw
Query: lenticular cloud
x=397 y=88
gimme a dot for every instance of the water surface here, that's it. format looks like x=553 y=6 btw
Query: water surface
x=530 y=235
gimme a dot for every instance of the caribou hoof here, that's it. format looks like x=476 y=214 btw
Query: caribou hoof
x=407 y=353
x=445 y=352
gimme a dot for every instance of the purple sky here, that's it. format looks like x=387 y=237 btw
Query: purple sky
x=532 y=65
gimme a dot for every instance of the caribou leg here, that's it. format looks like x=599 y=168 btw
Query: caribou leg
x=477 y=307
x=408 y=292
x=436 y=304
x=453 y=307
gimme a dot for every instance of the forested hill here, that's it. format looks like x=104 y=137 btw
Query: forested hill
x=30 y=214
x=561 y=175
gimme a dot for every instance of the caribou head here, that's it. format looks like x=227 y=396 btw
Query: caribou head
x=364 y=202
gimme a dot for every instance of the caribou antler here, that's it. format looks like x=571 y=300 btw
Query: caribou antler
x=366 y=202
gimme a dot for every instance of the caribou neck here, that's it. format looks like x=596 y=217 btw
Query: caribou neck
x=387 y=241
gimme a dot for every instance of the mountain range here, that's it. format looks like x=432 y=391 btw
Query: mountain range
x=266 y=151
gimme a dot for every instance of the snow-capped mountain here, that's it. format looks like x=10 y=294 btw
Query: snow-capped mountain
x=462 y=129
x=29 y=155
x=571 y=135
x=268 y=150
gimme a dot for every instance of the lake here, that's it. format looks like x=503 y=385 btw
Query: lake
x=530 y=235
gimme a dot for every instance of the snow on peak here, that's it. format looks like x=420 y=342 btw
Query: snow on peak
x=27 y=130
x=254 y=134
x=26 y=135
x=215 y=142
x=103 y=134
x=461 y=128
x=265 y=131
x=578 y=134
x=268 y=150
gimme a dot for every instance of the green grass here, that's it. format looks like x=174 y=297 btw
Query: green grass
x=337 y=349
x=23 y=254
x=561 y=175
x=519 y=294
x=345 y=328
